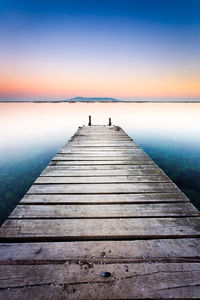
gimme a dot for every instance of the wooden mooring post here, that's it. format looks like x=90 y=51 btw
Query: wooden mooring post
x=102 y=221
x=90 y=121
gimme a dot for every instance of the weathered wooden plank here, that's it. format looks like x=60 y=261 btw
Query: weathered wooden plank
x=99 y=149
x=100 y=133
x=100 y=137
x=104 y=198
x=93 y=140
x=101 y=144
x=81 y=133
x=104 y=211
x=62 y=171
x=140 y=157
x=74 y=281
x=102 y=179
x=100 y=152
x=90 y=229
x=103 y=188
x=100 y=155
x=100 y=128
x=102 y=141
x=104 y=162
x=105 y=130
x=96 y=130
x=102 y=250
x=102 y=167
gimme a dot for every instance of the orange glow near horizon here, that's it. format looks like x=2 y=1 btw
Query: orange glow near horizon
x=129 y=88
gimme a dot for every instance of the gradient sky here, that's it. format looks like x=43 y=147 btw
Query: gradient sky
x=129 y=49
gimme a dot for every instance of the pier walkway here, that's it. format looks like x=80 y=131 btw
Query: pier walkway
x=102 y=221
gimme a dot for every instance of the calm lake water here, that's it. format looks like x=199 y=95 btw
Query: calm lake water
x=31 y=134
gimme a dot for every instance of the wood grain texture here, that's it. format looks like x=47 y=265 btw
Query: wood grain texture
x=67 y=166
x=109 y=152
x=106 y=162
x=106 y=251
x=90 y=229
x=101 y=179
x=113 y=145
x=62 y=171
x=102 y=149
x=104 y=198
x=102 y=137
x=66 y=157
x=104 y=211
x=99 y=188
x=134 y=161
x=74 y=281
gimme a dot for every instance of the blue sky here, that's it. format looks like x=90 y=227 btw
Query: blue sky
x=124 y=49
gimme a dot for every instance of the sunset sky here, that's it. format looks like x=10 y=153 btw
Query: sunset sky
x=129 y=49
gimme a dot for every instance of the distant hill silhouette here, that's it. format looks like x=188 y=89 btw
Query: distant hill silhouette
x=93 y=99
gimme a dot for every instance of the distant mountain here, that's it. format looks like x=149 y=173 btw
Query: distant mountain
x=93 y=99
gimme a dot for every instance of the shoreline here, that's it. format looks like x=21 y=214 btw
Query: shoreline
x=72 y=102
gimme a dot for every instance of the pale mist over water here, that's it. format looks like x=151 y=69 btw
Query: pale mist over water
x=31 y=133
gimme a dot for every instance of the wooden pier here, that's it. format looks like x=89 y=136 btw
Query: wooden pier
x=101 y=222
